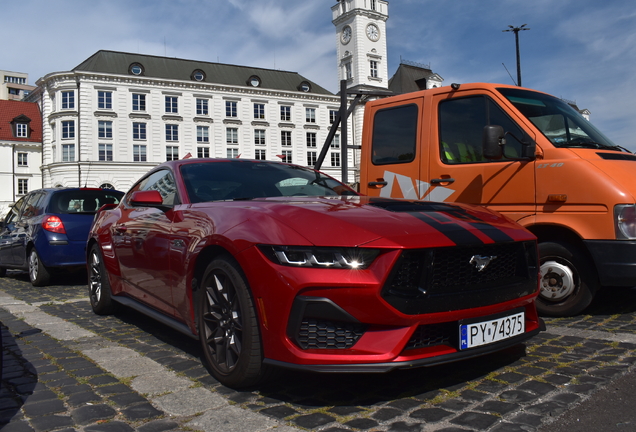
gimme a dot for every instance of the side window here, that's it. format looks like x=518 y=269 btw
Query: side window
x=32 y=205
x=14 y=214
x=162 y=181
x=461 y=126
x=394 y=135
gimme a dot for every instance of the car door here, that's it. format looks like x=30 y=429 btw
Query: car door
x=25 y=226
x=506 y=185
x=393 y=166
x=6 y=236
x=141 y=239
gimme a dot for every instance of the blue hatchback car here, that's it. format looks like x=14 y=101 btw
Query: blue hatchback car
x=47 y=229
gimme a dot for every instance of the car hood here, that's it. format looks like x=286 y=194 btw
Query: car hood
x=380 y=222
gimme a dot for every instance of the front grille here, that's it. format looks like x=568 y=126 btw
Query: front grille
x=428 y=335
x=444 y=279
x=319 y=334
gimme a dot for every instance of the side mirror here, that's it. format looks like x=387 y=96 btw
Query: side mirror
x=492 y=142
x=149 y=198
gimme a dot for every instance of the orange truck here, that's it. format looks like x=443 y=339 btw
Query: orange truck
x=526 y=154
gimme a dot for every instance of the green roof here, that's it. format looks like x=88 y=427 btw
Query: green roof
x=119 y=63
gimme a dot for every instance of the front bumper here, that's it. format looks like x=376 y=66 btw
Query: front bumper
x=615 y=261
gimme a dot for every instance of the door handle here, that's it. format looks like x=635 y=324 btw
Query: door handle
x=378 y=183
x=442 y=180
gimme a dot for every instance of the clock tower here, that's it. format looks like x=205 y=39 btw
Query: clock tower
x=361 y=41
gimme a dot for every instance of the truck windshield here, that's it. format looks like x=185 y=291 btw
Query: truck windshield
x=558 y=121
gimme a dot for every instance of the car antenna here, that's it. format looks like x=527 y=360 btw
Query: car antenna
x=87 y=173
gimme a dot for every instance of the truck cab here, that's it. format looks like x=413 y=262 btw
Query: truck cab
x=526 y=154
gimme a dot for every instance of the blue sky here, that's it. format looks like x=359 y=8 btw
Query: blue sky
x=581 y=50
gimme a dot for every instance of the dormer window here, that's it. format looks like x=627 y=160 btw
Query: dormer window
x=136 y=69
x=304 y=87
x=198 y=75
x=20 y=126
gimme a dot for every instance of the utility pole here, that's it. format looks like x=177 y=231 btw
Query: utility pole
x=516 y=31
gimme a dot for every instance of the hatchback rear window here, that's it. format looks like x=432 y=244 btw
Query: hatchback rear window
x=82 y=200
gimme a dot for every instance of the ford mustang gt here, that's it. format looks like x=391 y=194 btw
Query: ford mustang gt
x=274 y=265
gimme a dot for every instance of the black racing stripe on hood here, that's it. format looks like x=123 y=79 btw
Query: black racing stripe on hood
x=433 y=214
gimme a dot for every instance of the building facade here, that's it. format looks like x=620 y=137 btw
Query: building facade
x=20 y=150
x=116 y=115
x=14 y=85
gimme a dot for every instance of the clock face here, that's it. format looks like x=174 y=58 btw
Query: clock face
x=346 y=35
x=373 y=32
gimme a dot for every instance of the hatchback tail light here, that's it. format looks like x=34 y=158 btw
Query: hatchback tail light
x=53 y=224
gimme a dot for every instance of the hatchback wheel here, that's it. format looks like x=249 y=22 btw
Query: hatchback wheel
x=3 y=272
x=98 y=284
x=38 y=274
x=228 y=326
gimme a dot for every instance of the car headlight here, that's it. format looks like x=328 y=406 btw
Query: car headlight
x=306 y=256
x=625 y=220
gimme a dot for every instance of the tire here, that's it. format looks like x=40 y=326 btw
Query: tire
x=38 y=274
x=99 y=292
x=568 y=281
x=3 y=272
x=228 y=325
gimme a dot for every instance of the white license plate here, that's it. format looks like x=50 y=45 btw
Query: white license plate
x=485 y=332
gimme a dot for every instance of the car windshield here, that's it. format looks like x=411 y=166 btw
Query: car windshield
x=239 y=180
x=82 y=200
x=559 y=122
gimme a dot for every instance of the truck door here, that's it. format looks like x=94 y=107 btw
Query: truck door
x=393 y=165
x=456 y=161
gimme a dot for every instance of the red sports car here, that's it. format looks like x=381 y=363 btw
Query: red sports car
x=272 y=264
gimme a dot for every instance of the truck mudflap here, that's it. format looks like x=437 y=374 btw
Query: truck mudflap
x=615 y=261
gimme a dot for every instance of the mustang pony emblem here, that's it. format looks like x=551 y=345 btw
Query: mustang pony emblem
x=481 y=262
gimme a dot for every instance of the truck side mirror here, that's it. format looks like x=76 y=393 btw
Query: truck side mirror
x=493 y=141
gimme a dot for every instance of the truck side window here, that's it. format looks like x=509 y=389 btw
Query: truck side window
x=461 y=127
x=394 y=135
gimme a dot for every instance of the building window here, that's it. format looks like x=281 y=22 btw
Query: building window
x=335 y=159
x=68 y=152
x=285 y=113
x=139 y=131
x=203 y=134
x=23 y=159
x=21 y=130
x=105 y=152
x=138 y=102
x=172 y=153
x=374 y=68
x=259 y=154
x=348 y=71
x=335 y=142
x=203 y=152
x=172 y=105
x=105 y=100
x=23 y=186
x=310 y=115
x=259 y=111
x=106 y=186
x=286 y=138
x=311 y=139
x=232 y=153
x=373 y=5
x=312 y=156
x=172 y=133
x=68 y=100
x=287 y=156
x=231 y=136
x=105 y=129
x=68 y=129
x=202 y=107
x=139 y=153
x=230 y=109
x=259 y=137
x=333 y=114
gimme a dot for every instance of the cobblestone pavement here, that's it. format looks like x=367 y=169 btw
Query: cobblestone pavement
x=68 y=369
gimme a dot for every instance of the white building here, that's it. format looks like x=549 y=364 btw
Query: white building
x=20 y=150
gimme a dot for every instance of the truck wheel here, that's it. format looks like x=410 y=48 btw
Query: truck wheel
x=228 y=325
x=568 y=280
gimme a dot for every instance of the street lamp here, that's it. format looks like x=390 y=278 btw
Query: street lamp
x=516 y=31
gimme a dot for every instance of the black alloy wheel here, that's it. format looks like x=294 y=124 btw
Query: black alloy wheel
x=99 y=292
x=228 y=326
